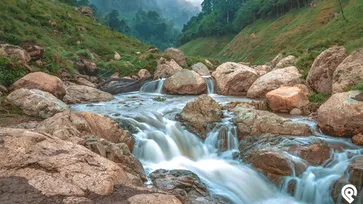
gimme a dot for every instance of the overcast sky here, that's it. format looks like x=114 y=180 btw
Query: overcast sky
x=196 y=2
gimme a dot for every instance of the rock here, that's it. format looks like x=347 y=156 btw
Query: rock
x=184 y=184
x=209 y=64
x=355 y=172
x=341 y=115
x=154 y=198
x=56 y=167
x=117 y=56
x=85 y=10
x=153 y=50
x=3 y=90
x=89 y=68
x=349 y=72
x=262 y=69
x=84 y=94
x=35 y=51
x=144 y=73
x=286 y=62
x=201 y=69
x=276 y=60
x=185 y=82
x=36 y=103
x=85 y=82
x=41 y=81
x=296 y=111
x=234 y=79
x=166 y=68
x=200 y=113
x=177 y=55
x=250 y=121
x=320 y=77
x=357 y=139
x=289 y=76
x=15 y=52
x=285 y=99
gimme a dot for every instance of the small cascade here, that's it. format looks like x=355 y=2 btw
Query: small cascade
x=153 y=86
x=210 y=84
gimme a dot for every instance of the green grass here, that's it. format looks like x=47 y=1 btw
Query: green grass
x=10 y=71
x=29 y=21
x=358 y=87
x=318 y=97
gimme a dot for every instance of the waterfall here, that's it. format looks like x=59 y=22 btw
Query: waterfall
x=153 y=86
x=210 y=84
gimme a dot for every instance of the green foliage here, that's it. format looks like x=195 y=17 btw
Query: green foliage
x=305 y=61
x=358 y=87
x=318 y=97
x=10 y=71
x=159 y=99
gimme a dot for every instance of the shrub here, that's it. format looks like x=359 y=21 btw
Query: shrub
x=318 y=97
x=10 y=71
x=358 y=87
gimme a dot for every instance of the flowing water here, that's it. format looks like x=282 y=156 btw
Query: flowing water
x=161 y=142
x=153 y=86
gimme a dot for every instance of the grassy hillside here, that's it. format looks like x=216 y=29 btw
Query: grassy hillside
x=206 y=47
x=66 y=35
x=303 y=32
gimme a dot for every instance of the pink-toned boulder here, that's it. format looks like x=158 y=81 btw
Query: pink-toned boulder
x=41 y=81
x=14 y=52
x=177 y=55
x=320 y=76
x=234 y=79
x=285 y=99
x=185 y=82
x=166 y=68
x=144 y=73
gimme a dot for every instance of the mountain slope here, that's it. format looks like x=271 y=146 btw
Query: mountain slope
x=206 y=47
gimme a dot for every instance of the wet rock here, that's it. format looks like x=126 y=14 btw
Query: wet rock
x=201 y=112
x=34 y=102
x=56 y=167
x=166 y=68
x=201 y=69
x=234 y=79
x=177 y=55
x=144 y=73
x=15 y=52
x=41 y=81
x=185 y=82
x=85 y=10
x=355 y=172
x=285 y=99
x=320 y=76
x=349 y=72
x=250 y=121
x=341 y=115
x=357 y=139
x=35 y=51
x=289 y=76
x=185 y=185
x=286 y=62
x=84 y=94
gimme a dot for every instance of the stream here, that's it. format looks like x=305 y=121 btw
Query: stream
x=163 y=143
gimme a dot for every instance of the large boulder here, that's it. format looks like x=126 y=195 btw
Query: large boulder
x=83 y=81
x=185 y=82
x=41 y=81
x=320 y=77
x=285 y=99
x=185 y=185
x=15 y=52
x=341 y=115
x=286 y=62
x=250 y=121
x=349 y=72
x=37 y=103
x=56 y=167
x=143 y=74
x=201 y=69
x=234 y=79
x=35 y=51
x=177 y=55
x=198 y=114
x=289 y=76
x=166 y=68
x=85 y=94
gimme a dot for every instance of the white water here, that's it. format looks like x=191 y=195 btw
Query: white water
x=153 y=86
x=210 y=84
x=164 y=143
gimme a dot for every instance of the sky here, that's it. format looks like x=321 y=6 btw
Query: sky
x=196 y=2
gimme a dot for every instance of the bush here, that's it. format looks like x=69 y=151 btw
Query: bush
x=318 y=97
x=10 y=71
x=358 y=87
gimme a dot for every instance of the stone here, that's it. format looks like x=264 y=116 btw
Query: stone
x=117 y=56
x=285 y=99
x=185 y=82
x=37 y=103
x=153 y=50
x=89 y=68
x=201 y=112
x=85 y=82
x=143 y=74
x=84 y=94
x=177 y=55
x=35 y=51
x=341 y=115
x=14 y=52
x=276 y=60
x=85 y=10
x=286 y=62
x=201 y=69
x=289 y=76
x=234 y=79
x=262 y=69
x=166 y=68
x=349 y=72
x=357 y=139
x=320 y=77
x=355 y=172
x=154 y=198
x=250 y=121
x=41 y=81
x=296 y=111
